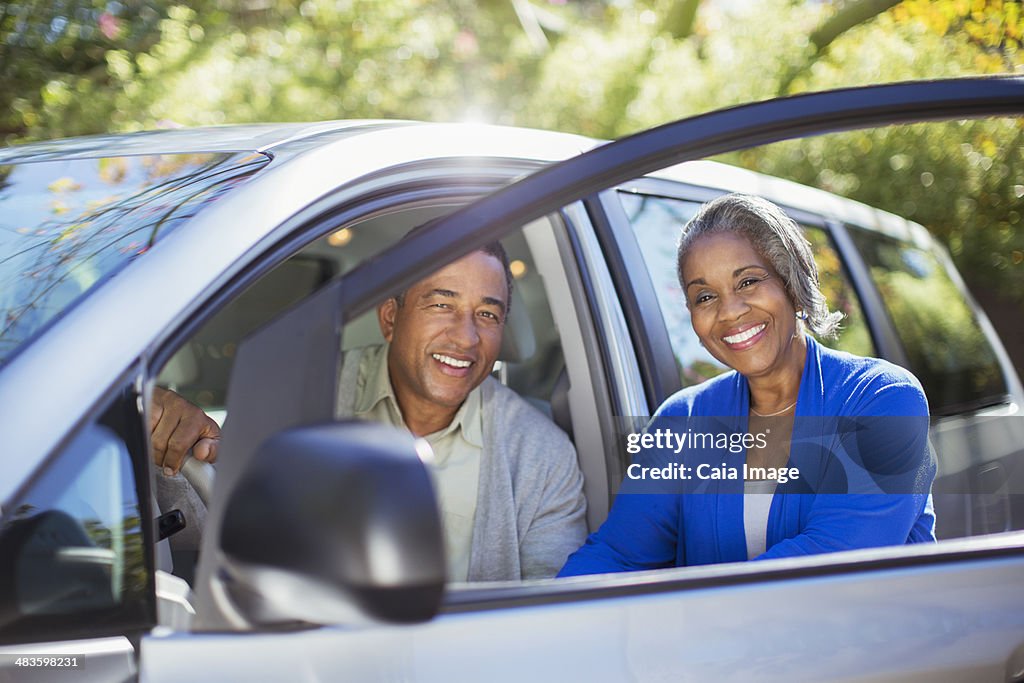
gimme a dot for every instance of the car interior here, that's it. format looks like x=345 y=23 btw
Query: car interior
x=542 y=316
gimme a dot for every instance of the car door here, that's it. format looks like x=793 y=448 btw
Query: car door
x=78 y=582
x=971 y=397
x=949 y=612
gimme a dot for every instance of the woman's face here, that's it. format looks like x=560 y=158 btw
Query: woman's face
x=739 y=307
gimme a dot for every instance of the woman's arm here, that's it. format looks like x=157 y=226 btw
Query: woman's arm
x=849 y=521
x=641 y=532
x=887 y=452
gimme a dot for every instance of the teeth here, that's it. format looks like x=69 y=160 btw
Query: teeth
x=454 y=362
x=745 y=335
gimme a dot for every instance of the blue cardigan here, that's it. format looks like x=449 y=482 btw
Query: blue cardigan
x=860 y=442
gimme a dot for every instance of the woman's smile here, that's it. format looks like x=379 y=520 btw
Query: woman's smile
x=745 y=338
x=740 y=308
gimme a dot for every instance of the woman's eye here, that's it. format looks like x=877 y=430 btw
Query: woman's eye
x=746 y=282
x=702 y=298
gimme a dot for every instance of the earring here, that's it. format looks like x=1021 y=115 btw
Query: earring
x=801 y=314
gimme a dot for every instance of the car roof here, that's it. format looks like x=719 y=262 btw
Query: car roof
x=793 y=195
x=288 y=139
x=255 y=137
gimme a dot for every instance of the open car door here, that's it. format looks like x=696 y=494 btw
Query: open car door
x=965 y=598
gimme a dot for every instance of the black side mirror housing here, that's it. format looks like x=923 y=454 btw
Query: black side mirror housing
x=334 y=523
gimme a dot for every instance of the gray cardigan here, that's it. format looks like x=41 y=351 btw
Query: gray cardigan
x=530 y=511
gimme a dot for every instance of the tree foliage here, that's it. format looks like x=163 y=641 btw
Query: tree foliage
x=598 y=67
x=961 y=180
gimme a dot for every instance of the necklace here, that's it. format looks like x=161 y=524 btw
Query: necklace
x=776 y=413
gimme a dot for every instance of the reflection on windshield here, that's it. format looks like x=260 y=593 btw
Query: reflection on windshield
x=66 y=226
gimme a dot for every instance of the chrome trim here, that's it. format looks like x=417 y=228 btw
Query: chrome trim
x=628 y=394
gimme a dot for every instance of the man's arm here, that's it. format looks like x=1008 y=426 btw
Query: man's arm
x=559 y=526
x=176 y=426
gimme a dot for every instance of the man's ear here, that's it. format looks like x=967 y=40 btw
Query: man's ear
x=386 y=313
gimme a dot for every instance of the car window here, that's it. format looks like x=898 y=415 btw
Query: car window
x=67 y=226
x=530 y=360
x=656 y=222
x=73 y=545
x=201 y=369
x=945 y=345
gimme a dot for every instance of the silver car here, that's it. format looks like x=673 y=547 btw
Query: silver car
x=235 y=265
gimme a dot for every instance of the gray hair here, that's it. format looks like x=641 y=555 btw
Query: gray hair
x=778 y=239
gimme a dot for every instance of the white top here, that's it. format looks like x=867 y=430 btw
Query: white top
x=455 y=469
x=757 y=501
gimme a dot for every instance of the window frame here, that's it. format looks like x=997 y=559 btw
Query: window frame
x=947 y=410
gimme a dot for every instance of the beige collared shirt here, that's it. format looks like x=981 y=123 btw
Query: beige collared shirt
x=457 y=450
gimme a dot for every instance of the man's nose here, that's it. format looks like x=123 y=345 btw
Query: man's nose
x=463 y=330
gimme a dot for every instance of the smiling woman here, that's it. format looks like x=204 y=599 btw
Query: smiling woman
x=844 y=428
x=743 y=316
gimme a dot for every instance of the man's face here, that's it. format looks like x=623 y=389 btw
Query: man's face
x=445 y=336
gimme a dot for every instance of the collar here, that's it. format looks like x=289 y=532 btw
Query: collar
x=374 y=387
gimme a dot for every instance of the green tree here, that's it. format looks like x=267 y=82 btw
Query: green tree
x=54 y=58
x=602 y=68
x=82 y=67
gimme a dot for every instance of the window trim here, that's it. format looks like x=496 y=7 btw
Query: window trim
x=883 y=332
x=595 y=587
x=651 y=340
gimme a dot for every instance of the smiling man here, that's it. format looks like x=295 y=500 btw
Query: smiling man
x=444 y=335
x=509 y=487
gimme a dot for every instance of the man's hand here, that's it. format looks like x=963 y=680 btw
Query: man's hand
x=175 y=426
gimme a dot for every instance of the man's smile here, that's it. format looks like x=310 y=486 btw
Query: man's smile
x=450 y=361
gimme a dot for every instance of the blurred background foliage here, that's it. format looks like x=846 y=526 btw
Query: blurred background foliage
x=598 y=67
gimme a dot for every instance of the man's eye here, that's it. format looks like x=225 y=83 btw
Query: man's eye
x=490 y=315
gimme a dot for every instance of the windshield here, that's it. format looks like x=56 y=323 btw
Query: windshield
x=67 y=226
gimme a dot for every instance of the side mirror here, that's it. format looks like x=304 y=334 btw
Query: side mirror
x=334 y=523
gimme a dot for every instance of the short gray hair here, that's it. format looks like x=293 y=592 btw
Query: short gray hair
x=778 y=239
